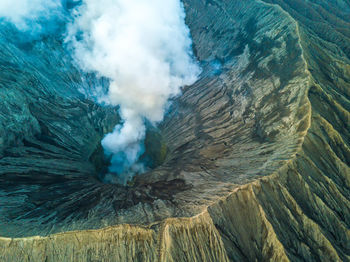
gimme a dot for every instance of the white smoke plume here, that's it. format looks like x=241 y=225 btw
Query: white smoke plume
x=25 y=14
x=144 y=48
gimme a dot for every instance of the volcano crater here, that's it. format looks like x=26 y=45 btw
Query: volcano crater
x=243 y=119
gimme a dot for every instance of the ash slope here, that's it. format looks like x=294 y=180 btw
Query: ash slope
x=262 y=139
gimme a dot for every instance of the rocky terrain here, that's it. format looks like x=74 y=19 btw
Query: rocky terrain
x=257 y=150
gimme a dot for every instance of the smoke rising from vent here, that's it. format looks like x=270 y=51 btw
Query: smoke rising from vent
x=142 y=46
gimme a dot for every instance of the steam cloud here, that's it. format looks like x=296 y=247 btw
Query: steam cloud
x=142 y=46
x=25 y=14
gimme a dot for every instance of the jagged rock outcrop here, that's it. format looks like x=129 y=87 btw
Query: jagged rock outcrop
x=258 y=149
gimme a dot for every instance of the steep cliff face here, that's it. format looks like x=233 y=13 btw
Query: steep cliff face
x=258 y=150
